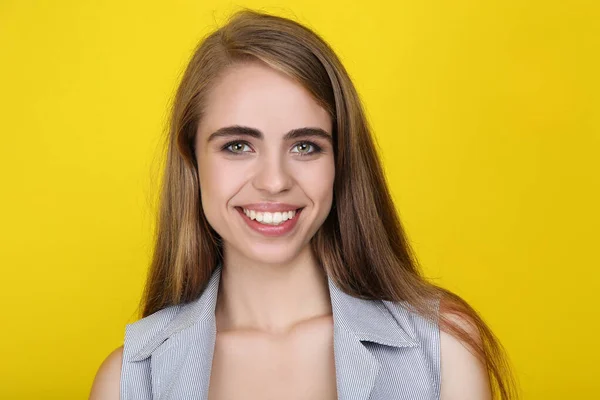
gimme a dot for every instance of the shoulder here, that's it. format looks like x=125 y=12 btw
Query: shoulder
x=463 y=375
x=108 y=378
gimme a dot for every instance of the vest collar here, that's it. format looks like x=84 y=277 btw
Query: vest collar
x=355 y=321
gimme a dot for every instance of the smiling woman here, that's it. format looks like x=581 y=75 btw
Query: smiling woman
x=281 y=269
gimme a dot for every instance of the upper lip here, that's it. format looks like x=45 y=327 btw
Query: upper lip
x=271 y=207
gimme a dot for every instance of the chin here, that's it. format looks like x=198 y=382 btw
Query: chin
x=282 y=255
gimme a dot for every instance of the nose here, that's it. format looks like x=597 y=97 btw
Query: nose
x=272 y=175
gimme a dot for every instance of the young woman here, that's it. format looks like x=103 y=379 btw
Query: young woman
x=281 y=269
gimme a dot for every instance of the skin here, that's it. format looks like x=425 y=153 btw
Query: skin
x=273 y=302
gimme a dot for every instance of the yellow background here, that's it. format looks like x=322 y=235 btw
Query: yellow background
x=486 y=112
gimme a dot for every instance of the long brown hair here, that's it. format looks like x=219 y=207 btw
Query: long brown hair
x=368 y=255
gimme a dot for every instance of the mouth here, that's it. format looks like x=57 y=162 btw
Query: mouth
x=274 y=224
x=295 y=215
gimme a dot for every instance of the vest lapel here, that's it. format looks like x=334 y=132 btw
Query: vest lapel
x=181 y=355
x=356 y=368
x=356 y=321
x=182 y=369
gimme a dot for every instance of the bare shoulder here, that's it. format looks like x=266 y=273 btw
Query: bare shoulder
x=108 y=378
x=463 y=375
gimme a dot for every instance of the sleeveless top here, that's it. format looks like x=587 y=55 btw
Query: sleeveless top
x=382 y=350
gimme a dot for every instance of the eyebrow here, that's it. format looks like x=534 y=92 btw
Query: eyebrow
x=237 y=130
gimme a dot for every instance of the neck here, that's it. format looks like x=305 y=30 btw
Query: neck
x=270 y=298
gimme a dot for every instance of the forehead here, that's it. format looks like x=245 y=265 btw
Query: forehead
x=256 y=95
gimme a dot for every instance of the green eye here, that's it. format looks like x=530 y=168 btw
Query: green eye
x=304 y=146
x=237 y=147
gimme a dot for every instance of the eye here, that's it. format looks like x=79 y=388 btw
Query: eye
x=303 y=146
x=237 y=147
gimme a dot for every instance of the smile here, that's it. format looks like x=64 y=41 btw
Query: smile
x=270 y=218
x=270 y=224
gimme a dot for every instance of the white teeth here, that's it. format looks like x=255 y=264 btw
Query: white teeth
x=270 y=218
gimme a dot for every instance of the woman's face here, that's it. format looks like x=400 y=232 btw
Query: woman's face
x=264 y=145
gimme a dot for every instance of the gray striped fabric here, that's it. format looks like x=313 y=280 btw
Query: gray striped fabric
x=382 y=350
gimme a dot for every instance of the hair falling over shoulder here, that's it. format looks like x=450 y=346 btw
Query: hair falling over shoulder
x=368 y=256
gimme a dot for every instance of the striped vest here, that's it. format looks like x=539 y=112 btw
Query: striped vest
x=382 y=350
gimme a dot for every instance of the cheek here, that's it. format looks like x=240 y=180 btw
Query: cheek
x=219 y=181
x=317 y=182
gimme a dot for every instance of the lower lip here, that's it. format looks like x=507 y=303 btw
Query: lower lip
x=271 y=230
